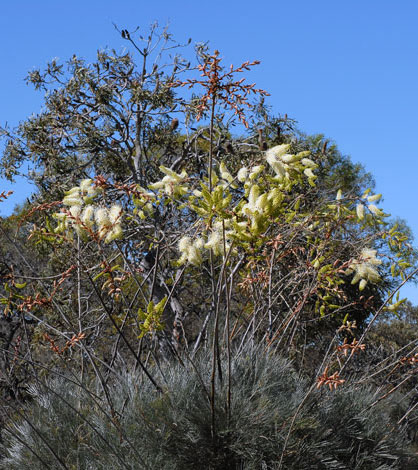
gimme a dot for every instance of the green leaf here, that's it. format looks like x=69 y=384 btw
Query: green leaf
x=20 y=286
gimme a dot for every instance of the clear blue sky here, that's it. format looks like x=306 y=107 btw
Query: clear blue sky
x=346 y=69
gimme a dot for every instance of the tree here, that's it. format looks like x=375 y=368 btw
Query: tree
x=161 y=236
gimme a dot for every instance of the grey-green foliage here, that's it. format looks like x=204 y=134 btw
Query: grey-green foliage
x=172 y=430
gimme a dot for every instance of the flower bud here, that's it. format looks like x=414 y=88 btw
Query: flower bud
x=362 y=285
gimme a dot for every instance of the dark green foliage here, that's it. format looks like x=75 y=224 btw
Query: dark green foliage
x=172 y=430
x=110 y=117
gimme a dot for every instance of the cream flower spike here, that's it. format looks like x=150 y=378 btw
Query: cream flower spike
x=308 y=162
x=75 y=211
x=225 y=174
x=171 y=183
x=363 y=268
x=86 y=184
x=374 y=198
x=215 y=242
x=273 y=159
x=277 y=151
x=88 y=190
x=255 y=171
x=115 y=234
x=172 y=174
x=242 y=174
x=288 y=158
x=190 y=251
x=308 y=173
x=368 y=255
x=72 y=197
x=375 y=210
x=102 y=220
x=87 y=217
x=115 y=213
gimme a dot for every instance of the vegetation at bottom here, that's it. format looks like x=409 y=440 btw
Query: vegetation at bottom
x=259 y=429
x=196 y=283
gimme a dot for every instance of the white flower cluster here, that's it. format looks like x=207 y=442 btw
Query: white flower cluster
x=363 y=268
x=251 y=217
x=261 y=205
x=172 y=183
x=219 y=241
x=84 y=216
x=79 y=195
x=191 y=251
x=284 y=164
x=360 y=208
x=245 y=175
x=258 y=203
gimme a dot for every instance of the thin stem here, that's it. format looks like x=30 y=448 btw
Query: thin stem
x=215 y=345
x=212 y=117
x=122 y=335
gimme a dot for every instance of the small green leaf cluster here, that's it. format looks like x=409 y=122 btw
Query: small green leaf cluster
x=151 y=318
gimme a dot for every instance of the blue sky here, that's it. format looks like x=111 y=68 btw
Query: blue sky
x=347 y=69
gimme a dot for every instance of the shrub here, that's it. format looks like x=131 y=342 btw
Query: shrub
x=173 y=430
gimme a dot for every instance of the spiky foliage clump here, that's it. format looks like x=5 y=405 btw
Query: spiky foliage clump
x=69 y=426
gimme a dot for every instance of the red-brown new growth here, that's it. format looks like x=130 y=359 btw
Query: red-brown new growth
x=333 y=381
x=222 y=87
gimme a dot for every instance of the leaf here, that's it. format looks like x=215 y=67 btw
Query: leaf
x=392 y=270
x=20 y=286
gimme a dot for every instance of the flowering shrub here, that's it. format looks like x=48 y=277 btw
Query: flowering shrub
x=194 y=242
